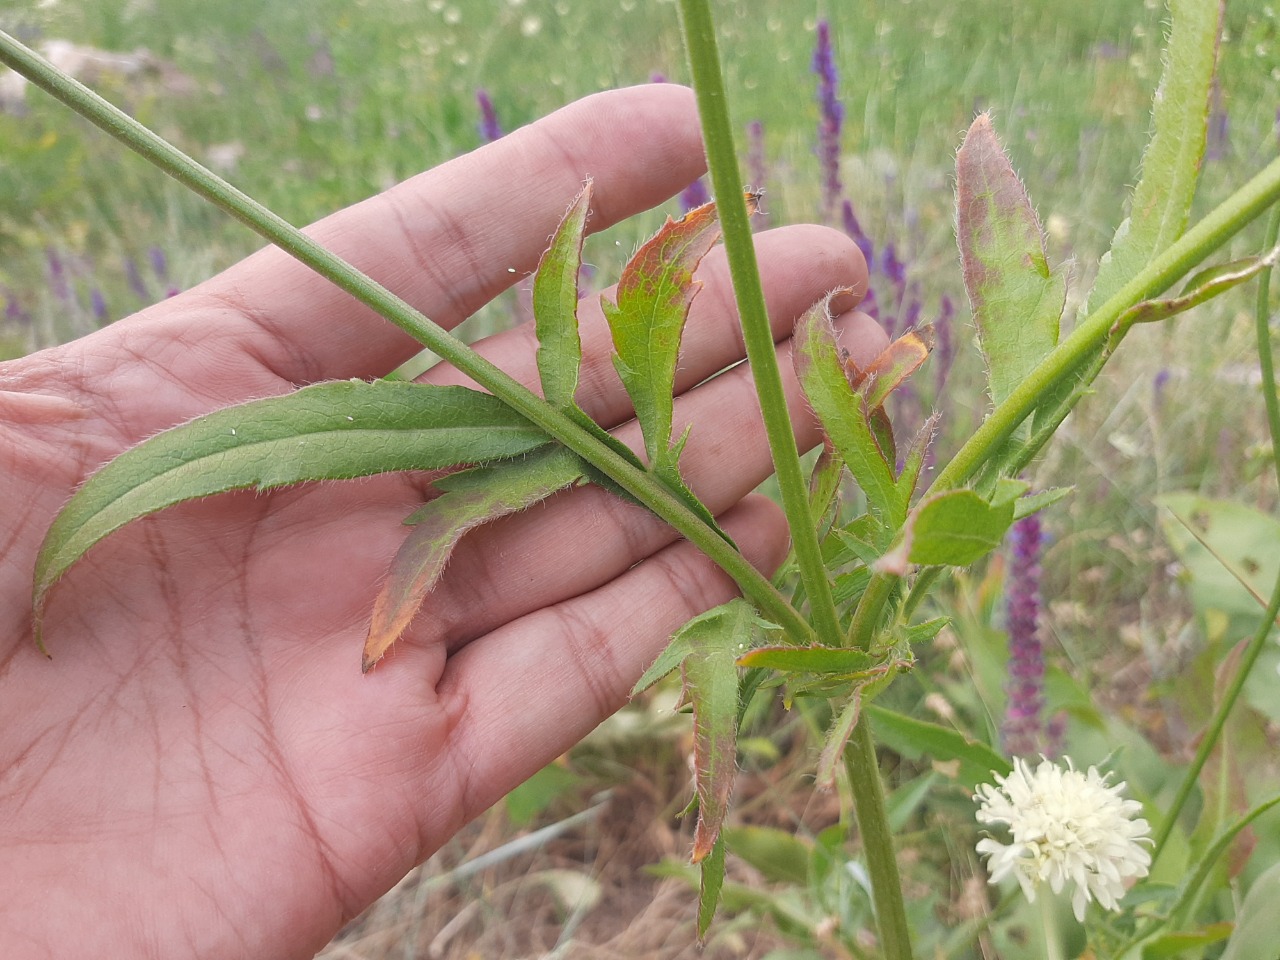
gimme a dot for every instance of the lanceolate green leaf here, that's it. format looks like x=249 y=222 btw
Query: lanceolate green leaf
x=330 y=431
x=646 y=322
x=843 y=412
x=1017 y=300
x=555 y=306
x=1171 y=162
x=953 y=528
x=830 y=660
x=468 y=500
x=715 y=639
x=912 y=738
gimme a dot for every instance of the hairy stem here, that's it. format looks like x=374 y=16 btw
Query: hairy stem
x=877 y=844
x=722 y=164
x=267 y=224
x=1258 y=642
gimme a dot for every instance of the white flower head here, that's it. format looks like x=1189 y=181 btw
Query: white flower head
x=1067 y=828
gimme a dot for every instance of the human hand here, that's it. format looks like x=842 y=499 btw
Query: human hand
x=203 y=771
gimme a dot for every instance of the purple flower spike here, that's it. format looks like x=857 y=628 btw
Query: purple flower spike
x=489 y=128
x=1023 y=732
x=854 y=229
x=694 y=195
x=99 y=305
x=894 y=268
x=830 y=120
x=136 y=283
x=159 y=263
x=869 y=306
x=58 y=284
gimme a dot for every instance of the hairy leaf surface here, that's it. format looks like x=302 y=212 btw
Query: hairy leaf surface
x=1171 y=162
x=329 y=431
x=469 y=499
x=555 y=306
x=653 y=298
x=954 y=528
x=842 y=411
x=1017 y=300
x=711 y=685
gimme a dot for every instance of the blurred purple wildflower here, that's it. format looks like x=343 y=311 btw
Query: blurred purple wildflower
x=136 y=283
x=694 y=195
x=58 y=283
x=14 y=311
x=489 y=128
x=854 y=229
x=1023 y=732
x=159 y=264
x=830 y=120
x=98 y=303
x=1158 y=384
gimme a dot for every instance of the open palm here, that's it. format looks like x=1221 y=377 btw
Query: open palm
x=202 y=770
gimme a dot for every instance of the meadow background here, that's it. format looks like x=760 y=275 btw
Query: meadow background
x=313 y=105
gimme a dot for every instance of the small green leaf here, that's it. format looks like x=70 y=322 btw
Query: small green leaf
x=954 y=528
x=1026 y=506
x=711 y=882
x=669 y=659
x=913 y=460
x=1171 y=162
x=1255 y=934
x=825 y=660
x=925 y=631
x=711 y=684
x=779 y=855
x=469 y=499
x=843 y=412
x=646 y=322
x=914 y=738
x=894 y=364
x=837 y=738
x=555 y=306
x=1017 y=300
x=1202 y=287
x=329 y=431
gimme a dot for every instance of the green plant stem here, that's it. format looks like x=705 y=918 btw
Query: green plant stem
x=877 y=843
x=1049 y=926
x=722 y=164
x=866 y=618
x=1258 y=642
x=267 y=224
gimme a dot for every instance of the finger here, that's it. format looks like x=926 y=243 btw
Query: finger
x=585 y=537
x=799 y=264
x=451 y=239
x=538 y=685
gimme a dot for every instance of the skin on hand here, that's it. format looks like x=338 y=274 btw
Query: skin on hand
x=202 y=770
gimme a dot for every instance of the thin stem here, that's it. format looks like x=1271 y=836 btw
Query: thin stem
x=877 y=843
x=1049 y=926
x=722 y=164
x=1258 y=642
x=267 y=224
